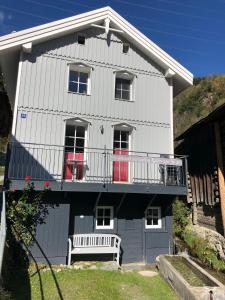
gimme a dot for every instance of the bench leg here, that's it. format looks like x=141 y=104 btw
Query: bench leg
x=69 y=259
x=69 y=253
x=118 y=258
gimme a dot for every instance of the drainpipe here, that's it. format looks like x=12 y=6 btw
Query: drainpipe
x=220 y=171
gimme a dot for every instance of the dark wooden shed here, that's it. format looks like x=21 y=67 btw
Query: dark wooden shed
x=204 y=143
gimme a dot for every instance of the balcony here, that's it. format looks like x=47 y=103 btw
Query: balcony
x=96 y=170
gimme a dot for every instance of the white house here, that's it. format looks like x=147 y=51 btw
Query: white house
x=93 y=115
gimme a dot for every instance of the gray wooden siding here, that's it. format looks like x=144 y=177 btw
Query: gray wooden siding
x=75 y=213
x=138 y=244
x=98 y=49
x=43 y=90
x=44 y=97
x=44 y=86
x=49 y=128
x=52 y=235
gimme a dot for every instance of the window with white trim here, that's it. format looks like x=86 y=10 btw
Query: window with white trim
x=122 y=89
x=153 y=217
x=104 y=217
x=79 y=79
x=121 y=139
x=124 y=85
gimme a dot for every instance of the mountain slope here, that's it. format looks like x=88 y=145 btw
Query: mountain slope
x=198 y=101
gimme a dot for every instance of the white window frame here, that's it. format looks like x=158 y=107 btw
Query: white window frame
x=80 y=68
x=111 y=225
x=130 y=129
x=82 y=123
x=128 y=76
x=159 y=225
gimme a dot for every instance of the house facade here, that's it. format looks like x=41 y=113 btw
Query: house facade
x=93 y=116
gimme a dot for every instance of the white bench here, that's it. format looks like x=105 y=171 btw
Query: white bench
x=94 y=244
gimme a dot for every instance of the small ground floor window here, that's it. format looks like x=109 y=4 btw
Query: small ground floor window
x=104 y=217
x=153 y=217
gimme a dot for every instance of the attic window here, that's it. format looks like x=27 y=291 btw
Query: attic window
x=81 y=39
x=126 y=48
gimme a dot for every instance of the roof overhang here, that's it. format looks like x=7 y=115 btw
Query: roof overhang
x=25 y=39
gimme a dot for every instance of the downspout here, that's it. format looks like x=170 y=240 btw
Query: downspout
x=220 y=170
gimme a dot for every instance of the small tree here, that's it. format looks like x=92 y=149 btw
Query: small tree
x=25 y=210
x=181 y=216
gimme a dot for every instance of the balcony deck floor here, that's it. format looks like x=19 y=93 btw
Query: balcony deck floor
x=99 y=187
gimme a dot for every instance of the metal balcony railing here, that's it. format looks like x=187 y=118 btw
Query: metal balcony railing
x=93 y=165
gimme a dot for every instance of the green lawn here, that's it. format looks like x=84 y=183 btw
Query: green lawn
x=94 y=284
x=91 y=284
x=2 y=170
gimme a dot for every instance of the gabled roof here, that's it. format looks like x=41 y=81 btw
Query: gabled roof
x=35 y=35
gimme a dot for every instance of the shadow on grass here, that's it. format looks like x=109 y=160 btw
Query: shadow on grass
x=16 y=271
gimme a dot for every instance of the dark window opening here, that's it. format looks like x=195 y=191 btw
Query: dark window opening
x=81 y=39
x=126 y=48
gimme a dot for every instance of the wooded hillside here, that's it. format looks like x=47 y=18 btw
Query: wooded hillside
x=198 y=101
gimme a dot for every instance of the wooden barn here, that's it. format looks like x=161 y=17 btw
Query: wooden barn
x=204 y=143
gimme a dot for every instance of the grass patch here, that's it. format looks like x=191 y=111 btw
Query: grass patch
x=95 y=284
x=2 y=170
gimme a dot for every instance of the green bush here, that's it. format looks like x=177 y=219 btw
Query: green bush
x=181 y=216
x=24 y=210
x=198 y=247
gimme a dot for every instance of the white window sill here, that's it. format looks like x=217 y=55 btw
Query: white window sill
x=103 y=228
x=117 y=99
x=69 y=92
x=153 y=227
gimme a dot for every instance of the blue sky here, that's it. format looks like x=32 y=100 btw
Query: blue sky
x=193 y=32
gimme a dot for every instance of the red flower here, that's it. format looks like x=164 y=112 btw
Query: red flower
x=27 y=179
x=46 y=184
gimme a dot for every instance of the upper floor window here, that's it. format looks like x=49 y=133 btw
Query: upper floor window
x=153 y=217
x=78 y=82
x=126 y=48
x=79 y=79
x=124 y=85
x=81 y=39
x=122 y=89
